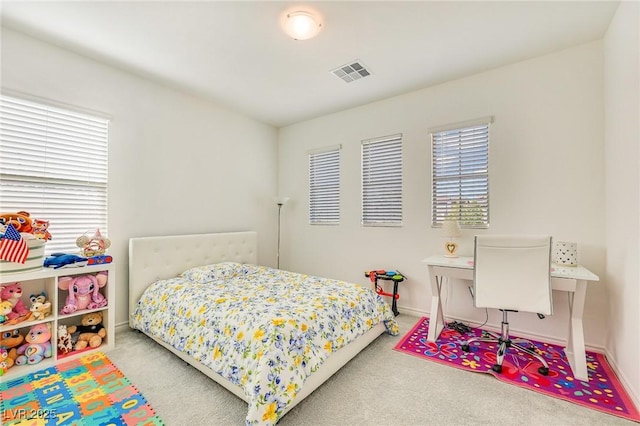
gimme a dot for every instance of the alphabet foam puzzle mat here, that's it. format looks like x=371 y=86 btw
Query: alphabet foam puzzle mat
x=89 y=390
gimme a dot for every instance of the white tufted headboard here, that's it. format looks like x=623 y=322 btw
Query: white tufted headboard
x=155 y=258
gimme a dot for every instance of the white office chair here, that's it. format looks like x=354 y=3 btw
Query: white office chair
x=512 y=273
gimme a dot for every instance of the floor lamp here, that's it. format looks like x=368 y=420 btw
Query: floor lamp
x=281 y=201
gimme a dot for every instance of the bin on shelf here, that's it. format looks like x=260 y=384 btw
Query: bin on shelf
x=35 y=260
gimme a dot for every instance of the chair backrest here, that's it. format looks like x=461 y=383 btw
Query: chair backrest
x=513 y=272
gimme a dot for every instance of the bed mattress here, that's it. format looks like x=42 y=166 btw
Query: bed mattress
x=263 y=329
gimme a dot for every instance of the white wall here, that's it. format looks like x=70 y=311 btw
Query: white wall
x=177 y=164
x=546 y=176
x=622 y=184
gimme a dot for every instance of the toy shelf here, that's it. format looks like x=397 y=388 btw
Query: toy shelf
x=46 y=279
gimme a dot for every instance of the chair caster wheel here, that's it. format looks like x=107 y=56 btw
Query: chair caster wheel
x=497 y=368
x=544 y=371
x=465 y=348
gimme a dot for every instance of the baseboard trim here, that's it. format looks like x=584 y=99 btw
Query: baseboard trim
x=412 y=312
x=496 y=327
x=635 y=399
x=122 y=325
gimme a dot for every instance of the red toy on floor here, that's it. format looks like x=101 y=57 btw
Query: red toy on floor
x=395 y=276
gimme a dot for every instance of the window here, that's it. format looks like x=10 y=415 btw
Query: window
x=460 y=173
x=53 y=164
x=382 y=181
x=324 y=186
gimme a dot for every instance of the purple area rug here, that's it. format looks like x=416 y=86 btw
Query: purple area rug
x=603 y=392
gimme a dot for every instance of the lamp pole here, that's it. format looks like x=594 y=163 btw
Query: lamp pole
x=278 y=253
x=280 y=201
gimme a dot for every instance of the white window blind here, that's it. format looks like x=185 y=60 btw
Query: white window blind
x=53 y=164
x=382 y=181
x=460 y=174
x=324 y=186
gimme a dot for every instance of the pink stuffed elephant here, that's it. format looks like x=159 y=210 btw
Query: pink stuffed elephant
x=84 y=292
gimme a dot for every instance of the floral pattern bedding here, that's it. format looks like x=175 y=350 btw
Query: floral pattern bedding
x=265 y=330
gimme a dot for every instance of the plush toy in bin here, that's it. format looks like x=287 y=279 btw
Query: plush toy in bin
x=84 y=292
x=5 y=308
x=40 y=308
x=65 y=342
x=38 y=346
x=12 y=292
x=4 y=355
x=91 y=331
x=40 y=229
x=21 y=221
x=11 y=340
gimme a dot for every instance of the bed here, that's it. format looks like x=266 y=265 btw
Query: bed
x=271 y=337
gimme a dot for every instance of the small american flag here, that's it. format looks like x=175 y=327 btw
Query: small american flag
x=13 y=247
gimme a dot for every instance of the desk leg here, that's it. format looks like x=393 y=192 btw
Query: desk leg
x=575 y=349
x=436 y=322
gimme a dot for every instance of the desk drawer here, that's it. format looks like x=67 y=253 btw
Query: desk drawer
x=563 y=284
x=460 y=273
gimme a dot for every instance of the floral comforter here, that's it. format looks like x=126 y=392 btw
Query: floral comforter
x=263 y=329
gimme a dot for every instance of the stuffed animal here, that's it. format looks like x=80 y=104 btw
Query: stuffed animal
x=37 y=346
x=91 y=331
x=20 y=221
x=40 y=310
x=10 y=340
x=4 y=354
x=40 y=229
x=65 y=344
x=12 y=292
x=84 y=292
x=63 y=260
x=41 y=297
x=5 y=308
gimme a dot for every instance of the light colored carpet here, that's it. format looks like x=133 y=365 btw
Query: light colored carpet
x=378 y=387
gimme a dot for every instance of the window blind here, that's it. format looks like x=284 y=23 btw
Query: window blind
x=460 y=175
x=324 y=187
x=382 y=181
x=53 y=164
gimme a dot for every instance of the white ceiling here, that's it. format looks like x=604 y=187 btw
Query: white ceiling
x=235 y=52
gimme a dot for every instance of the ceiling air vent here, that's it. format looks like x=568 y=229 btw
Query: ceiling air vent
x=351 y=72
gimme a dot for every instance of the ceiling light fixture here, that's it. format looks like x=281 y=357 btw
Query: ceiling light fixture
x=302 y=25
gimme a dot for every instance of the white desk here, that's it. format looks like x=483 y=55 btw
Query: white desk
x=570 y=279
